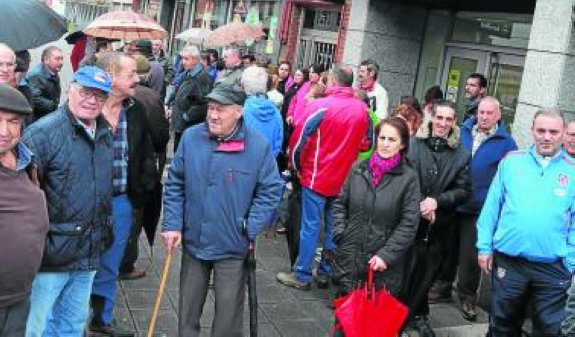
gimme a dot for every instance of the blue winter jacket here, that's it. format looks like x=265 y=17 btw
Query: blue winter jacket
x=529 y=209
x=484 y=162
x=214 y=187
x=76 y=175
x=262 y=114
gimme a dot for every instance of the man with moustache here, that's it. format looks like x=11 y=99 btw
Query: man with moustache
x=134 y=178
x=159 y=128
x=378 y=99
x=222 y=188
x=43 y=82
x=72 y=150
x=526 y=232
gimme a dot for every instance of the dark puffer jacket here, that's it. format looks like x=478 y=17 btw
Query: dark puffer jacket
x=190 y=104
x=443 y=170
x=76 y=175
x=44 y=90
x=372 y=221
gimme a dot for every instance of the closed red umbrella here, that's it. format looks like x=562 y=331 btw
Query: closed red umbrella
x=125 y=25
x=234 y=33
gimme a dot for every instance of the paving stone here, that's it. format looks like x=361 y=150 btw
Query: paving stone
x=145 y=299
x=282 y=311
x=301 y=329
x=167 y=320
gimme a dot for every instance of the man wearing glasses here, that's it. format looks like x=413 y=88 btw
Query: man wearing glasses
x=72 y=149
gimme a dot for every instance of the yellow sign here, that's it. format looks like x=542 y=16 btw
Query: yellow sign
x=454 y=76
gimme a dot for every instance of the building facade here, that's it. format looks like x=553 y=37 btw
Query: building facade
x=524 y=47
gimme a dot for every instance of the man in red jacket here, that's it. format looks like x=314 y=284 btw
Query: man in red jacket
x=324 y=148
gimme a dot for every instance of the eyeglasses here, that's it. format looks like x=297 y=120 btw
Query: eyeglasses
x=284 y=69
x=86 y=93
x=7 y=65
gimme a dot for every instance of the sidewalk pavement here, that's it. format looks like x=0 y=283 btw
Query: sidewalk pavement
x=282 y=311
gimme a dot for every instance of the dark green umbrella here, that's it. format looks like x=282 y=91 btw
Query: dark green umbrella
x=28 y=24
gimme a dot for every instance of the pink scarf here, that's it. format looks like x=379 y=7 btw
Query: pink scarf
x=380 y=166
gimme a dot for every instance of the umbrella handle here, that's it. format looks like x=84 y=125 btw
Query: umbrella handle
x=159 y=294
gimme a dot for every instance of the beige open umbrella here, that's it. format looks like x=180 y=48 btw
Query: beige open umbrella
x=125 y=25
x=194 y=35
x=233 y=34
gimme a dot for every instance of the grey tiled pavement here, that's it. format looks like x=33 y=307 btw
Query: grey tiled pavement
x=282 y=311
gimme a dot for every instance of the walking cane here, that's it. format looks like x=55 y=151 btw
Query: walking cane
x=163 y=280
x=252 y=294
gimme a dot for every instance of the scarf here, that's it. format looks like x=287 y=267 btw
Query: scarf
x=380 y=166
x=368 y=87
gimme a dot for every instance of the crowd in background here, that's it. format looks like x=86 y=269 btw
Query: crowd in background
x=429 y=197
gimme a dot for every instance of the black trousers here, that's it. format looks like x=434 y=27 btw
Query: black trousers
x=13 y=319
x=516 y=282
x=469 y=271
x=426 y=265
x=448 y=270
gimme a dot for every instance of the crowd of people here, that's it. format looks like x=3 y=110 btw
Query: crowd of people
x=430 y=198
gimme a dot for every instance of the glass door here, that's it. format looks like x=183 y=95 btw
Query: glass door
x=503 y=72
x=504 y=84
x=459 y=64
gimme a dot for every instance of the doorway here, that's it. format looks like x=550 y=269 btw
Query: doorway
x=503 y=68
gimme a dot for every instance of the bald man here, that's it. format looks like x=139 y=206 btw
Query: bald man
x=7 y=65
x=569 y=139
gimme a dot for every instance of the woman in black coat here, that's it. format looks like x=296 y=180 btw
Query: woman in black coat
x=377 y=214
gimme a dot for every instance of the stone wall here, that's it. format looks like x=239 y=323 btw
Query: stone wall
x=391 y=33
x=549 y=74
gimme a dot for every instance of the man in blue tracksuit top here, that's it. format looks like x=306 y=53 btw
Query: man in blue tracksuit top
x=526 y=234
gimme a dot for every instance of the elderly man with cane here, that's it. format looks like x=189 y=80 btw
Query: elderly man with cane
x=222 y=187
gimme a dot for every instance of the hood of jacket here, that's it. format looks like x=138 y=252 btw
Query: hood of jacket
x=453 y=139
x=338 y=91
x=260 y=107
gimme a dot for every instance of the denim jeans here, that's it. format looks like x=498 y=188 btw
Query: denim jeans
x=59 y=304
x=105 y=280
x=313 y=207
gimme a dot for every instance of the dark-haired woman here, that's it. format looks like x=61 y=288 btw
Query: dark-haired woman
x=377 y=213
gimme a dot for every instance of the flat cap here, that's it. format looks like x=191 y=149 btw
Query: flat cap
x=12 y=100
x=227 y=94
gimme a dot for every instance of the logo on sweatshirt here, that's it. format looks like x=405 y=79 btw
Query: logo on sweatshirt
x=563 y=179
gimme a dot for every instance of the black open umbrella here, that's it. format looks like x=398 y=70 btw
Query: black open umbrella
x=28 y=24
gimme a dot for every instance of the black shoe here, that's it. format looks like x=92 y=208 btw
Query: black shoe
x=100 y=330
x=322 y=281
x=421 y=325
x=468 y=311
x=438 y=297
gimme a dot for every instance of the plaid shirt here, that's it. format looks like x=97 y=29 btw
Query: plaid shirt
x=120 y=148
x=479 y=137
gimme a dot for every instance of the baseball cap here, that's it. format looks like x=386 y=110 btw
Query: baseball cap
x=93 y=77
x=13 y=101
x=227 y=94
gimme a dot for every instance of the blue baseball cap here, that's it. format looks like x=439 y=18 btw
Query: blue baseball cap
x=93 y=77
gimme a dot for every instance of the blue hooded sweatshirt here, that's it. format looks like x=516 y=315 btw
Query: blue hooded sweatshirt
x=262 y=115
